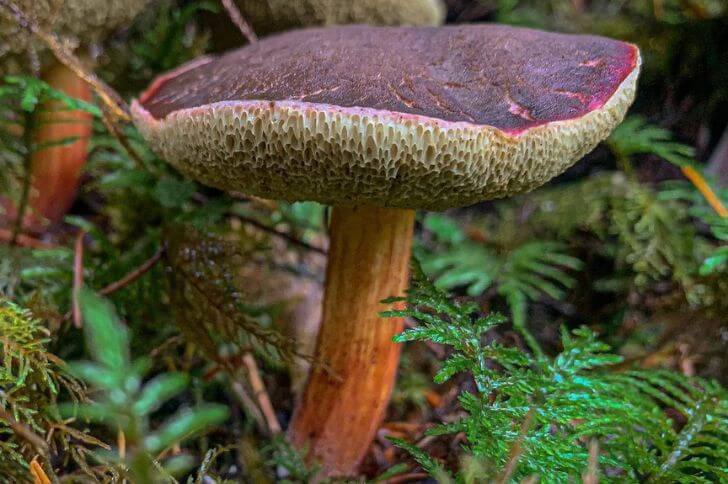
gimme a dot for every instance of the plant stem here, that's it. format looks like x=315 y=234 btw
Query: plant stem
x=341 y=409
x=697 y=179
x=27 y=177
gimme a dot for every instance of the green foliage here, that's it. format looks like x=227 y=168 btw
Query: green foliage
x=714 y=263
x=282 y=455
x=636 y=136
x=528 y=272
x=28 y=92
x=213 y=307
x=162 y=38
x=30 y=380
x=124 y=404
x=647 y=232
x=554 y=406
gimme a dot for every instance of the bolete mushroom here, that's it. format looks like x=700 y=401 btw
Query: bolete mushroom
x=269 y=16
x=379 y=121
x=56 y=168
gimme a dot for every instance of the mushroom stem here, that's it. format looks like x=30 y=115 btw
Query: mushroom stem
x=57 y=167
x=60 y=140
x=342 y=405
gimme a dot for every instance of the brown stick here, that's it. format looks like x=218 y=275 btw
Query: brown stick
x=261 y=394
x=239 y=21
x=133 y=275
x=77 y=278
x=337 y=418
x=697 y=179
x=516 y=449
x=130 y=277
x=110 y=97
x=283 y=235
x=39 y=475
x=26 y=433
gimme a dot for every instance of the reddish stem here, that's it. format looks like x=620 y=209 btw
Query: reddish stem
x=343 y=405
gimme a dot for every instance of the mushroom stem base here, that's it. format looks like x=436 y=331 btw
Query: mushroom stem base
x=342 y=406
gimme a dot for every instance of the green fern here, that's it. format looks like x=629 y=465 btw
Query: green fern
x=211 y=300
x=636 y=136
x=530 y=272
x=649 y=233
x=572 y=399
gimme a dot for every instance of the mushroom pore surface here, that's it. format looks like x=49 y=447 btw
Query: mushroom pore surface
x=392 y=116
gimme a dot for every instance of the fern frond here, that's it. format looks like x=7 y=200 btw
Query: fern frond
x=211 y=296
x=574 y=398
x=636 y=136
x=530 y=272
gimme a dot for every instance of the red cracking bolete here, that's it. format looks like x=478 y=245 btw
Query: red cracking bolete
x=378 y=121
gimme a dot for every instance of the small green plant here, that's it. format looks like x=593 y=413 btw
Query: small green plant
x=30 y=380
x=551 y=408
x=290 y=462
x=124 y=403
x=528 y=272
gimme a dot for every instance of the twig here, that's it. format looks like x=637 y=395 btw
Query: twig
x=22 y=240
x=39 y=475
x=111 y=98
x=261 y=394
x=697 y=179
x=77 y=278
x=516 y=450
x=237 y=18
x=133 y=275
x=591 y=476
x=123 y=282
x=293 y=240
x=27 y=178
x=113 y=129
x=248 y=404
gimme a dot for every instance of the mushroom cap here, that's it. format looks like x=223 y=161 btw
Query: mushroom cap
x=79 y=21
x=268 y=16
x=428 y=117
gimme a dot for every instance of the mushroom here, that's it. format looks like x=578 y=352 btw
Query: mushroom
x=56 y=169
x=268 y=16
x=379 y=121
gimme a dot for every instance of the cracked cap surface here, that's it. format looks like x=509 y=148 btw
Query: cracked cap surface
x=393 y=116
